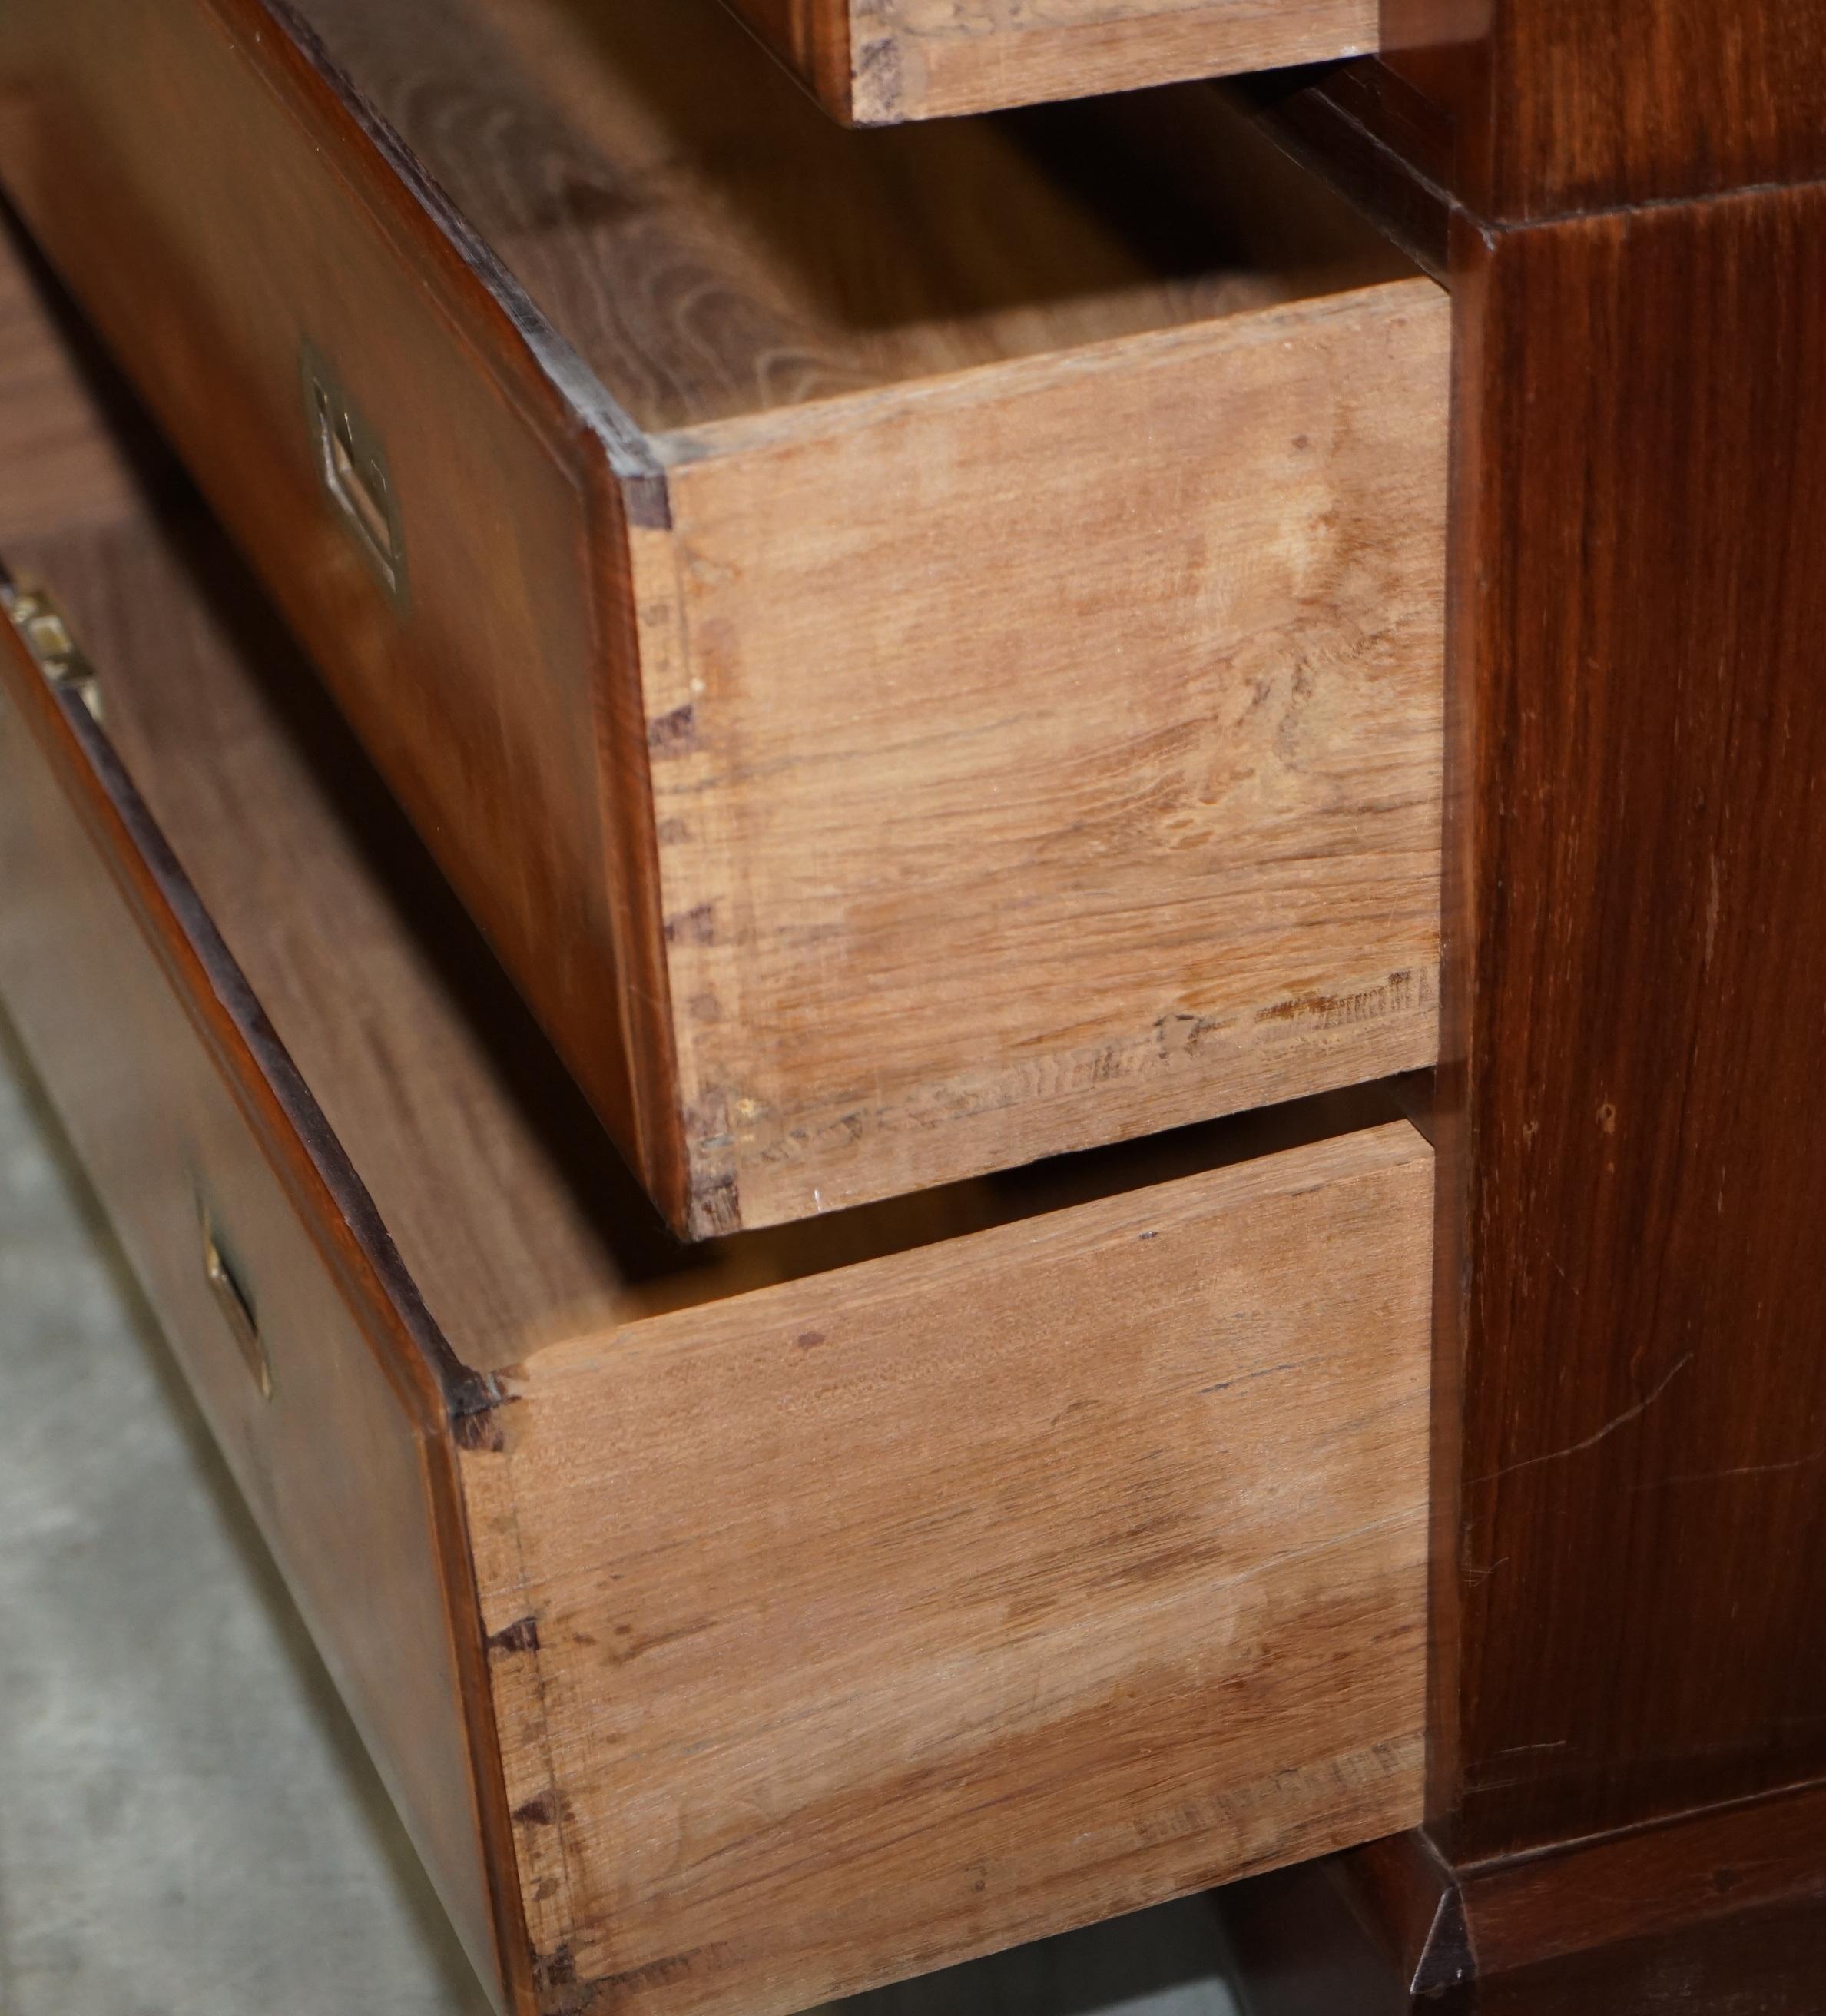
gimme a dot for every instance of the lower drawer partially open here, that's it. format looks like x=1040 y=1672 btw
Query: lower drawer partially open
x=742 y=1625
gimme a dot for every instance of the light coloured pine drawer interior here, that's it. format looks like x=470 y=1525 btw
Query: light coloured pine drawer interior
x=874 y=62
x=921 y=649
x=817 y=1606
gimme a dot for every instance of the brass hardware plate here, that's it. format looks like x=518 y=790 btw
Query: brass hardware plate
x=33 y=613
x=234 y=1303
x=353 y=468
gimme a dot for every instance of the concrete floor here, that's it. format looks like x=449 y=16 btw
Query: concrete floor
x=189 y=1826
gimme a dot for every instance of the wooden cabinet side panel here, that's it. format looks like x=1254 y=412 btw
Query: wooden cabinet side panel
x=1592 y=104
x=857 y=1626
x=223 y=218
x=1557 y=108
x=1631 y=1608
x=945 y=888
x=351 y=1493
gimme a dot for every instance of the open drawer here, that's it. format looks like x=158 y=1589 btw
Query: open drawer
x=737 y=1624
x=921 y=650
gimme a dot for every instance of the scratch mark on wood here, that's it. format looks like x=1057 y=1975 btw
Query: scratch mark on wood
x=1610 y=1427
x=1738 y=1470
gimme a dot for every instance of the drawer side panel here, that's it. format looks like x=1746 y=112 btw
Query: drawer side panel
x=239 y=239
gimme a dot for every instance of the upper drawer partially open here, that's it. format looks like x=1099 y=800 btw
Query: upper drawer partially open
x=922 y=649
x=872 y=63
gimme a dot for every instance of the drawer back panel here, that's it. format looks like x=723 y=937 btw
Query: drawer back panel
x=893 y=1615
x=875 y=61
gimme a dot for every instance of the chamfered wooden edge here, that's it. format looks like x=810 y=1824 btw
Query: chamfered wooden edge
x=1389 y=1925
x=401 y=192
x=446 y=1403
x=623 y=483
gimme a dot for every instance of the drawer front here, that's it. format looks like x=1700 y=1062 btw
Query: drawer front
x=265 y=273
x=137 y=1023
x=853 y=1626
x=873 y=62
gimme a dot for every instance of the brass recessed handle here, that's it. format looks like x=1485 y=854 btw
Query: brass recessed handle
x=47 y=636
x=236 y=1305
x=353 y=468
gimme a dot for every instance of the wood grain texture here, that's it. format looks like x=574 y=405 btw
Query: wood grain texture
x=1629 y=1102
x=709 y=245
x=168 y=204
x=1762 y=1963
x=877 y=62
x=1454 y=1936
x=420 y=1054
x=682 y=226
x=179 y=1101
x=1560 y=107
x=1025 y=1578
x=1651 y=1883
x=1211 y=880
x=1592 y=104
x=1373 y=139
x=1626 y=886
x=916 y=59
x=1102 y=1523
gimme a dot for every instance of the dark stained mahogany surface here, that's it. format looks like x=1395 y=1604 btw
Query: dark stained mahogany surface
x=1562 y=106
x=1303 y=1946
x=1630 y=1419
x=1664 y=1880
x=812 y=37
x=1438 y=1928
x=1632 y=1620
x=1756 y=1964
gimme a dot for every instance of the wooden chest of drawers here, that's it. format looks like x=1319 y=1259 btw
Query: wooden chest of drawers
x=740 y=1625
x=921 y=650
